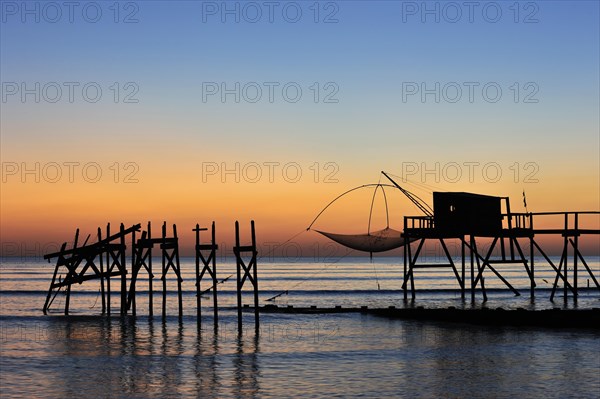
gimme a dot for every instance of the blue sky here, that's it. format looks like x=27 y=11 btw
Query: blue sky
x=367 y=58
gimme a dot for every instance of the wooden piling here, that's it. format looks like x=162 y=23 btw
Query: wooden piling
x=109 y=270
x=170 y=260
x=566 y=246
x=463 y=275
x=70 y=276
x=164 y=271
x=178 y=272
x=102 y=277
x=123 y=269
x=256 y=310
x=250 y=273
x=239 y=276
x=208 y=265
x=150 y=275
x=133 y=275
x=575 y=242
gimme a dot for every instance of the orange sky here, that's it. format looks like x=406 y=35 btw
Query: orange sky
x=44 y=214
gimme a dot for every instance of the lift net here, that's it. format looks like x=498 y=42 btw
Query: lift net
x=376 y=241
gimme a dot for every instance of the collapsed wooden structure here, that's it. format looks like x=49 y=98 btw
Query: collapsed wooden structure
x=106 y=259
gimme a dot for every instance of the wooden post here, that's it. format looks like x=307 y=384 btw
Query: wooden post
x=102 y=274
x=211 y=259
x=198 y=293
x=409 y=274
x=109 y=267
x=250 y=273
x=575 y=242
x=410 y=265
x=68 y=276
x=406 y=244
x=150 y=275
x=170 y=259
x=123 y=270
x=480 y=268
x=164 y=272
x=214 y=275
x=254 y=266
x=239 y=277
x=512 y=248
x=133 y=273
x=532 y=256
x=566 y=243
x=462 y=255
x=49 y=296
x=142 y=259
x=471 y=249
x=178 y=272
x=502 y=249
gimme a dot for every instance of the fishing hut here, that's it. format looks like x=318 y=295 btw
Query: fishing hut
x=469 y=217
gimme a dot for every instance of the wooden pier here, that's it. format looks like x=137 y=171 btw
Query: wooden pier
x=107 y=258
x=520 y=317
x=468 y=219
x=476 y=222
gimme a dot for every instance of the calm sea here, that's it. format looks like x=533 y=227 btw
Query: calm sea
x=329 y=355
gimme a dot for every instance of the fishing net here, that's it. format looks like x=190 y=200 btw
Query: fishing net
x=375 y=241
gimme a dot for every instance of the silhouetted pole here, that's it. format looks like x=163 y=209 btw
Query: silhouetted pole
x=49 y=296
x=463 y=274
x=239 y=277
x=164 y=271
x=198 y=293
x=405 y=248
x=109 y=270
x=133 y=272
x=171 y=260
x=532 y=256
x=211 y=259
x=101 y=257
x=566 y=244
x=410 y=271
x=509 y=219
x=480 y=269
x=151 y=276
x=250 y=273
x=471 y=239
x=253 y=264
x=70 y=277
x=178 y=272
x=123 y=270
x=575 y=244
x=214 y=275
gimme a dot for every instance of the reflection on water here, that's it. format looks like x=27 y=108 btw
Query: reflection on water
x=339 y=355
x=206 y=364
x=246 y=370
x=344 y=355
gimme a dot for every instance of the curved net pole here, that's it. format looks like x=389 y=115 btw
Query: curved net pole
x=387 y=213
x=341 y=195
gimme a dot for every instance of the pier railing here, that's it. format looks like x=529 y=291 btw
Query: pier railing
x=568 y=222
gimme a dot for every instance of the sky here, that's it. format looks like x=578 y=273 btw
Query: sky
x=194 y=111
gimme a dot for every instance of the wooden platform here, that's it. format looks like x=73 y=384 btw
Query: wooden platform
x=552 y=318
